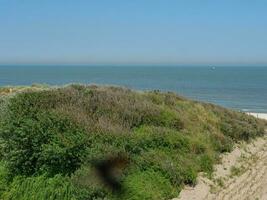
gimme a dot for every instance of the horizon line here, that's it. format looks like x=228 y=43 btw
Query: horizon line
x=139 y=64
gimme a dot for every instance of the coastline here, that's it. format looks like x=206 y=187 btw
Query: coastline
x=258 y=115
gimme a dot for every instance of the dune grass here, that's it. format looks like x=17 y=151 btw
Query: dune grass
x=49 y=139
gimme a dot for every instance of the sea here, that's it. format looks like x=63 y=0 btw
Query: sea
x=239 y=88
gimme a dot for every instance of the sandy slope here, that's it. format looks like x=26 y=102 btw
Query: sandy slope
x=242 y=175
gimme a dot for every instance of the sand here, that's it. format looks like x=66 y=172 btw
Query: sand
x=242 y=174
x=259 y=115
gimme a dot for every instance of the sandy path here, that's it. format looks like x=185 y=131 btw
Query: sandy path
x=241 y=175
x=250 y=181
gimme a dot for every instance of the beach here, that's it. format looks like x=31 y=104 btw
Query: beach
x=259 y=115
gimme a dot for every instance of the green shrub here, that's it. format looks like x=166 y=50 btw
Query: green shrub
x=3 y=107
x=89 y=185
x=4 y=178
x=206 y=163
x=222 y=143
x=44 y=143
x=190 y=175
x=237 y=125
x=148 y=185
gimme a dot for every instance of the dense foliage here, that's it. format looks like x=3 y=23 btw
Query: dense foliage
x=50 y=139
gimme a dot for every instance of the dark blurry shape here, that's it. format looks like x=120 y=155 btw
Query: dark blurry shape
x=110 y=171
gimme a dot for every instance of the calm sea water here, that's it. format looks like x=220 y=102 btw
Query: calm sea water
x=241 y=88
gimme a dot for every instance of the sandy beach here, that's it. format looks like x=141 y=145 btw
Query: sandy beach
x=242 y=174
x=259 y=115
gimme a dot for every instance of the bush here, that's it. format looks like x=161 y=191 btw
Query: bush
x=3 y=107
x=44 y=142
x=206 y=163
x=89 y=185
x=190 y=176
x=148 y=185
x=4 y=178
x=222 y=143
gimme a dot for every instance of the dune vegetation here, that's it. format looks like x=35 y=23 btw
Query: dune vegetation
x=52 y=138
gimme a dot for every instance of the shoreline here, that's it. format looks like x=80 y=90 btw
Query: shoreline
x=258 y=115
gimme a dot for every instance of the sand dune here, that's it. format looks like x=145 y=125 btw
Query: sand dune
x=242 y=174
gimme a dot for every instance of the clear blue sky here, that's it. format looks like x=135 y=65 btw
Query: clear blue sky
x=133 y=31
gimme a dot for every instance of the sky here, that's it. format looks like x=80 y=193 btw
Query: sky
x=133 y=32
